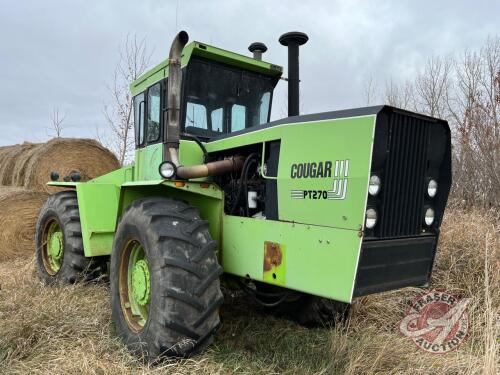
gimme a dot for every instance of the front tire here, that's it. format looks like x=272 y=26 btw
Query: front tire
x=165 y=291
x=59 y=246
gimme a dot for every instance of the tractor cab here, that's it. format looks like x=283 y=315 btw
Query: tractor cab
x=220 y=98
x=222 y=92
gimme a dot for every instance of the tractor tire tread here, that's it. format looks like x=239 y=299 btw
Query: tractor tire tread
x=183 y=255
x=75 y=266
x=209 y=279
x=184 y=297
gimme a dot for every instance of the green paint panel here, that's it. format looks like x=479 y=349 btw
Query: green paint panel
x=190 y=153
x=347 y=145
x=148 y=159
x=98 y=204
x=147 y=162
x=314 y=142
x=319 y=260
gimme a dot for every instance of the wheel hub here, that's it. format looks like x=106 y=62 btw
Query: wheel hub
x=53 y=247
x=56 y=246
x=141 y=282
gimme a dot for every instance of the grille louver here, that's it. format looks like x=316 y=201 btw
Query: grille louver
x=404 y=182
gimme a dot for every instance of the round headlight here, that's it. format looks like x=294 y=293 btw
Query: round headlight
x=432 y=188
x=374 y=186
x=371 y=218
x=429 y=216
x=167 y=169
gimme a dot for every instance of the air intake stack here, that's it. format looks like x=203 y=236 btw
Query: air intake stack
x=293 y=40
x=257 y=49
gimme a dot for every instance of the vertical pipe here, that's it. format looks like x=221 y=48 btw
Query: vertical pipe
x=293 y=40
x=293 y=79
x=257 y=49
x=172 y=123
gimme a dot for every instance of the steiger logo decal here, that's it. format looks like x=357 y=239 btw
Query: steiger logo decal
x=322 y=169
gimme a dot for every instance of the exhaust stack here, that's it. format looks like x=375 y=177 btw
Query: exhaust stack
x=293 y=40
x=257 y=49
x=172 y=125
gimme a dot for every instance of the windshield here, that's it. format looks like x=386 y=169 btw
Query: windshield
x=222 y=99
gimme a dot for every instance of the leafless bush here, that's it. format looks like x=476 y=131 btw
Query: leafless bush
x=474 y=106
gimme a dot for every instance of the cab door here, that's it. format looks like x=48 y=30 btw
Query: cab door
x=149 y=144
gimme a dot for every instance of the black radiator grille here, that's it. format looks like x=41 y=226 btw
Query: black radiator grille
x=404 y=181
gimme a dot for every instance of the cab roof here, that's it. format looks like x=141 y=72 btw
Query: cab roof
x=160 y=71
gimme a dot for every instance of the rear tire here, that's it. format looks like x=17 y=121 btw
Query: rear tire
x=178 y=313
x=59 y=246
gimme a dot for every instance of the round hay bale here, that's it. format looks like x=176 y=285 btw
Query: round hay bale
x=20 y=164
x=19 y=210
x=4 y=151
x=65 y=155
x=7 y=163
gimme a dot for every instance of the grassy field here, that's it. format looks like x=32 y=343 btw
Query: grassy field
x=67 y=330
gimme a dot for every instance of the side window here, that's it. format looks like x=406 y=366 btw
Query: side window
x=264 y=108
x=154 y=113
x=238 y=115
x=216 y=118
x=196 y=115
x=139 y=119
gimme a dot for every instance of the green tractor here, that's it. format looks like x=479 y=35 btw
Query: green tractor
x=304 y=214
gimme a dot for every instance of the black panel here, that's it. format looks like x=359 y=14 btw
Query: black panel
x=409 y=149
x=392 y=264
x=273 y=152
x=404 y=183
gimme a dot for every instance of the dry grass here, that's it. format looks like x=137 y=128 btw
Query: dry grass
x=61 y=330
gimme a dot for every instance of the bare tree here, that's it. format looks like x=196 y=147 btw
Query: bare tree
x=56 y=123
x=432 y=86
x=401 y=96
x=474 y=107
x=465 y=91
x=133 y=61
x=369 y=90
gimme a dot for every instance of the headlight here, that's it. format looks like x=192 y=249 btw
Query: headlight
x=429 y=217
x=374 y=186
x=371 y=218
x=167 y=169
x=432 y=188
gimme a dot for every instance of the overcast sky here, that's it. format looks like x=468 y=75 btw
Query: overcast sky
x=62 y=53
